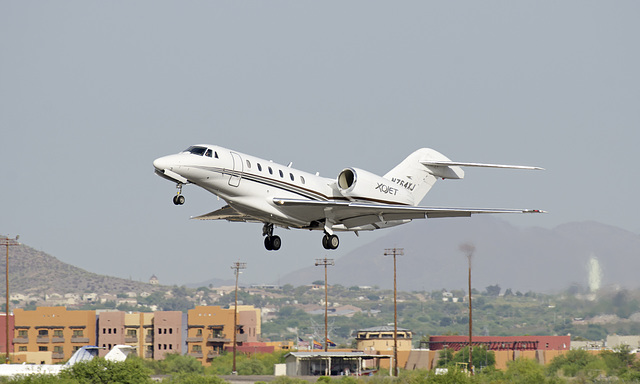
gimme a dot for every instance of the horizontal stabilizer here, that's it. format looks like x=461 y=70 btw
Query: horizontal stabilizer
x=436 y=163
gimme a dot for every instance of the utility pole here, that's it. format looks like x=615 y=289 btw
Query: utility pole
x=237 y=266
x=468 y=249
x=325 y=262
x=395 y=252
x=7 y=242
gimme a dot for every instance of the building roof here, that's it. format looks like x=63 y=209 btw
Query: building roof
x=312 y=354
x=384 y=328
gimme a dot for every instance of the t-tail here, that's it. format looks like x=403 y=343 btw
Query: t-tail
x=421 y=169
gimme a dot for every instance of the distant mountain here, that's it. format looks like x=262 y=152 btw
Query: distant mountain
x=524 y=259
x=35 y=272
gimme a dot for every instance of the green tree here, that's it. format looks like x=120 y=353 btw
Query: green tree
x=573 y=362
x=99 y=370
x=525 y=371
x=481 y=357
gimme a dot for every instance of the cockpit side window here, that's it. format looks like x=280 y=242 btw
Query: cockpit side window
x=197 y=150
x=208 y=153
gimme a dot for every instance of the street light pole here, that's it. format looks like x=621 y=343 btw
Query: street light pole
x=237 y=266
x=7 y=242
x=395 y=252
x=325 y=262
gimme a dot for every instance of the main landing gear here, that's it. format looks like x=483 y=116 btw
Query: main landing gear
x=271 y=242
x=178 y=199
x=330 y=241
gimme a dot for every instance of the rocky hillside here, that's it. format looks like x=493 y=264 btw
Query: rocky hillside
x=35 y=272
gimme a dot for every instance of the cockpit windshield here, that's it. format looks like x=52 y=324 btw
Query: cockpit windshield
x=196 y=150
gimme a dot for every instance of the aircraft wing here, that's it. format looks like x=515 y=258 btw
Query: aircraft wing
x=354 y=214
x=226 y=213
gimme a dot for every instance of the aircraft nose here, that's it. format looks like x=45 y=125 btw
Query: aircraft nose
x=162 y=163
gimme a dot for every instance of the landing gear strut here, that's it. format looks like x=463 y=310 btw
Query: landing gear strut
x=271 y=242
x=330 y=241
x=178 y=199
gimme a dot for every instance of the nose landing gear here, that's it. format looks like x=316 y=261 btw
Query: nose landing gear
x=178 y=199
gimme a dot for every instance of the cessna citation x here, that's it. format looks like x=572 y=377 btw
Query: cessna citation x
x=260 y=191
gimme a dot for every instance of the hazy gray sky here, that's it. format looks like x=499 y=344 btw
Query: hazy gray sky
x=92 y=91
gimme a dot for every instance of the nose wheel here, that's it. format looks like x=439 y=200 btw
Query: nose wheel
x=330 y=241
x=178 y=199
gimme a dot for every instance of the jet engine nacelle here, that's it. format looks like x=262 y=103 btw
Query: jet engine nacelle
x=357 y=184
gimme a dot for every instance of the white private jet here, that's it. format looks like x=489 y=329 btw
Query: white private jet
x=258 y=190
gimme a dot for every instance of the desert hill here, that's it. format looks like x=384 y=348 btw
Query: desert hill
x=524 y=259
x=37 y=273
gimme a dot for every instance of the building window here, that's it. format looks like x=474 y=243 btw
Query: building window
x=114 y=331
x=132 y=333
x=58 y=349
x=171 y=331
x=57 y=333
x=43 y=333
x=43 y=348
x=22 y=348
x=199 y=333
x=78 y=333
x=23 y=333
x=196 y=348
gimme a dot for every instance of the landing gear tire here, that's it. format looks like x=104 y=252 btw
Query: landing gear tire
x=330 y=241
x=178 y=200
x=272 y=243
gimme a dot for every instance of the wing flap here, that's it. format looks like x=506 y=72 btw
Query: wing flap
x=354 y=214
x=226 y=213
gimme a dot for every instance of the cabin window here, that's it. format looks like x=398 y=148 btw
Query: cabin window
x=270 y=171
x=208 y=153
x=248 y=164
x=302 y=179
x=291 y=176
x=281 y=174
x=259 y=167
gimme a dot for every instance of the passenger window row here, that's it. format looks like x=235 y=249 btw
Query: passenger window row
x=280 y=172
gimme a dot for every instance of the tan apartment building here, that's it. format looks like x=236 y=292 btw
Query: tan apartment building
x=210 y=330
x=167 y=333
x=153 y=334
x=53 y=329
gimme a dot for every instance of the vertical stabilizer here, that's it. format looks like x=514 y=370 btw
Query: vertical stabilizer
x=417 y=178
